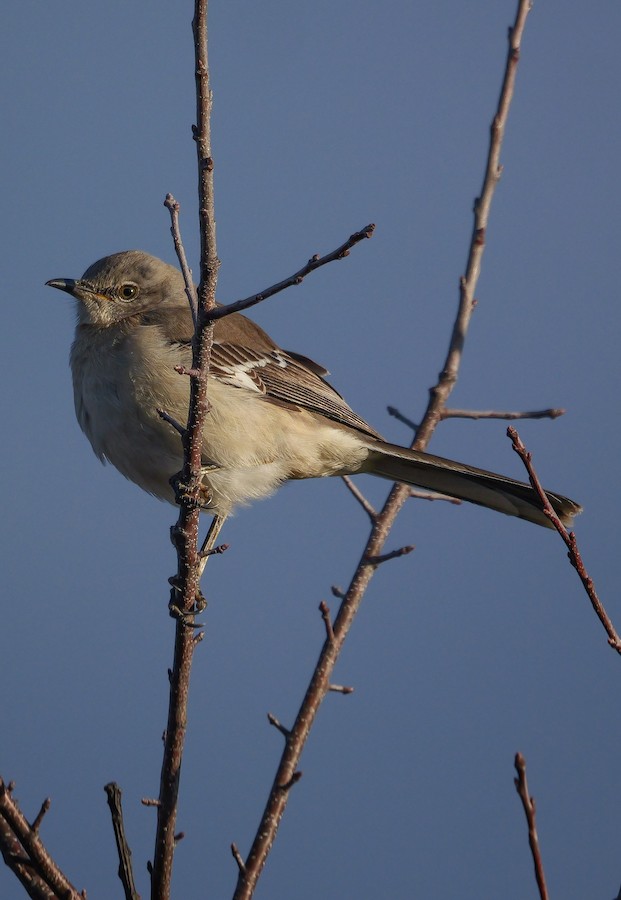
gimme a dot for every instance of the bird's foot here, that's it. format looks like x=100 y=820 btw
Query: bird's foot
x=189 y=494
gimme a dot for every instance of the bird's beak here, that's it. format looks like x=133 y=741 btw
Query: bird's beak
x=63 y=284
x=81 y=290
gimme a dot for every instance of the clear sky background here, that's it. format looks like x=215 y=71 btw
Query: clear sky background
x=479 y=644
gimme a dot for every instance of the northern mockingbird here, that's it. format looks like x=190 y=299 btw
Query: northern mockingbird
x=273 y=416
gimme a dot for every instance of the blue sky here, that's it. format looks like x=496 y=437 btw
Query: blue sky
x=481 y=642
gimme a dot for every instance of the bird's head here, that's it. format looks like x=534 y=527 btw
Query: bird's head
x=123 y=285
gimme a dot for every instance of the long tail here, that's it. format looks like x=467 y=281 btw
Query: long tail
x=515 y=498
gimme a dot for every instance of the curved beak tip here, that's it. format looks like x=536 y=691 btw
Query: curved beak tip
x=63 y=284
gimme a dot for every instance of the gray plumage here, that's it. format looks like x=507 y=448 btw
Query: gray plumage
x=273 y=415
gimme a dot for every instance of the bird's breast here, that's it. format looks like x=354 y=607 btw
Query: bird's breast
x=119 y=384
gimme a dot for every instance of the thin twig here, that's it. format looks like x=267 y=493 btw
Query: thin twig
x=173 y=208
x=362 y=500
x=324 y=609
x=398 y=415
x=278 y=725
x=386 y=557
x=315 y=262
x=126 y=872
x=45 y=806
x=570 y=541
x=341 y=689
x=169 y=419
x=238 y=858
x=183 y=370
x=321 y=678
x=528 y=802
x=214 y=551
x=552 y=413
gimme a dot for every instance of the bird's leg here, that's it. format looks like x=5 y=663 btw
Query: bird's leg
x=210 y=541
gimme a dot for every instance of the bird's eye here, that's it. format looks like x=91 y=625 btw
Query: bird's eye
x=128 y=291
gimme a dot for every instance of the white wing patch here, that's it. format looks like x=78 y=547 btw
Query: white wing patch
x=242 y=368
x=282 y=378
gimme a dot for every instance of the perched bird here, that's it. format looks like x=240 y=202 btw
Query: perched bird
x=273 y=416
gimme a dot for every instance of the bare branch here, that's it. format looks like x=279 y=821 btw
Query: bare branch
x=185 y=594
x=321 y=678
x=553 y=413
x=182 y=370
x=385 y=557
x=36 y=825
x=362 y=500
x=315 y=262
x=126 y=872
x=570 y=541
x=221 y=548
x=238 y=858
x=398 y=415
x=324 y=609
x=528 y=803
x=173 y=208
x=341 y=689
x=24 y=853
x=274 y=721
x=440 y=392
x=167 y=418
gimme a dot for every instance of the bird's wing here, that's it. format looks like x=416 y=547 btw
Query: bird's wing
x=283 y=378
x=245 y=357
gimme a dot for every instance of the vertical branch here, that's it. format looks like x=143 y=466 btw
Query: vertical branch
x=185 y=533
x=202 y=135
